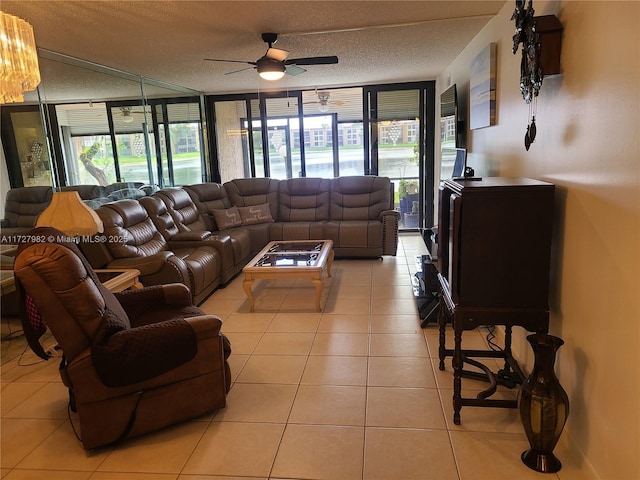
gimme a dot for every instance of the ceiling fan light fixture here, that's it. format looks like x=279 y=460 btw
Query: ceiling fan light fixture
x=323 y=107
x=127 y=118
x=270 y=69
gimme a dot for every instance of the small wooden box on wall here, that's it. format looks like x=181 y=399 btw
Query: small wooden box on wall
x=550 y=30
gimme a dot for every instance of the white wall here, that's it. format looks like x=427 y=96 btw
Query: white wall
x=588 y=145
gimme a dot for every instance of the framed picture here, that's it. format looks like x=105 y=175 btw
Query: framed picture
x=482 y=89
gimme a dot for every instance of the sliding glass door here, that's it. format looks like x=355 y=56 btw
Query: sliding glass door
x=400 y=149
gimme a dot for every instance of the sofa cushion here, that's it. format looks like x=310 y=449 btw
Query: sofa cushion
x=360 y=197
x=208 y=197
x=246 y=192
x=304 y=200
x=227 y=218
x=131 y=229
x=23 y=205
x=255 y=214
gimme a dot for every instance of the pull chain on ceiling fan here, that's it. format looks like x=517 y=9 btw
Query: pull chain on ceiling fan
x=273 y=65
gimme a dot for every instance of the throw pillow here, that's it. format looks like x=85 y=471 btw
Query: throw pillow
x=227 y=218
x=255 y=214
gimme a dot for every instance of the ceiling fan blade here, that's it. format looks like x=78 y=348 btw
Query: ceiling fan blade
x=293 y=70
x=276 y=54
x=241 y=70
x=312 y=61
x=232 y=61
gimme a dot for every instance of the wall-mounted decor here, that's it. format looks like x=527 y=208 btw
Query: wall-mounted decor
x=533 y=63
x=482 y=89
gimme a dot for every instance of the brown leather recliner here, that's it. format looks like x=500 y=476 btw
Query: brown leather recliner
x=134 y=361
x=21 y=209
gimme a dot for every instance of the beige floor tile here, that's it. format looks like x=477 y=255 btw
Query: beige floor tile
x=15 y=393
x=247 y=322
x=345 y=305
x=17 y=474
x=329 y=405
x=352 y=291
x=275 y=343
x=286 y=369
x=243 y=343
x=393 y=306
x=237 y=362
x=331 y=323
x=352 y=344
x=164 y=451
x=295 y=322
x=233 y=448
x=395 y=324
x=20 y=436
x=218 y=477
x=32 y=368
x=221 y=307
x=400 y=372
x=404 y=407
x=392 y=291
x=472 y=449
x=398 y=344
x=320 y=452
x=400 y=277
x=335 y=370
x=63 y=451
x=50 y=401
x=248 y=402
x=408 y=454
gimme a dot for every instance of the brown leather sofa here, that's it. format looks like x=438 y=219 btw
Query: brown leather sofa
x=133 y=362
x=133 y=241
x=237 y=219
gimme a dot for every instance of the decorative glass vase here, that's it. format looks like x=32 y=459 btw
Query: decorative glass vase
x=543 y=405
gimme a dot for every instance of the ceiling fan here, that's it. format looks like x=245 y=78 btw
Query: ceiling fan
x=274 y=63
x=324 y=101
x=126 y=114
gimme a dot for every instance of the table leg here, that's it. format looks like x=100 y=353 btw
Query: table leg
x=330 y=262
x=457 y=375
x=318 y=284
x=442 y=325
x=246 y=285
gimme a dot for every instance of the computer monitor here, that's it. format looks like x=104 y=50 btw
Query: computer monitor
x=460 y=163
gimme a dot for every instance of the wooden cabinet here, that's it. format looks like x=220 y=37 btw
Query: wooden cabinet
x=494 y=253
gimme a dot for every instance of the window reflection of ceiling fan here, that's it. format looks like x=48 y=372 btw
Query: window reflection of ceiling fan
x=274 y=63
x=126 y=114
x=324 y=101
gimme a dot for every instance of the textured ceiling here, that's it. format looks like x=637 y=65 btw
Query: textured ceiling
x=375 y=41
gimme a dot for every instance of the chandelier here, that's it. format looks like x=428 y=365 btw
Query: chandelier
x=19 y=70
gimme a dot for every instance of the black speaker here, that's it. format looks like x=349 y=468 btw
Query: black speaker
x=425 y=289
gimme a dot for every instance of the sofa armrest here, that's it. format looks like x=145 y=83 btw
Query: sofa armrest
x=222 y=243
x=191 y=236
x=390 y=220
x=172 y=294
x=147 y=265
x=5 y=223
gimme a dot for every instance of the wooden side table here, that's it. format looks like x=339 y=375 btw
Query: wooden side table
x=118 y=280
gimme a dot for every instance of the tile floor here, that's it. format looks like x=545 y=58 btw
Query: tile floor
x=351 y=393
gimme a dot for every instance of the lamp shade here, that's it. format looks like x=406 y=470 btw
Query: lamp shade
x=19 y=69
x=69 y=214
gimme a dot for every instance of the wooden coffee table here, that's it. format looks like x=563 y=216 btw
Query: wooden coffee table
x=290 y=259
